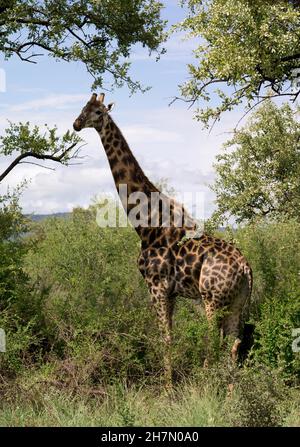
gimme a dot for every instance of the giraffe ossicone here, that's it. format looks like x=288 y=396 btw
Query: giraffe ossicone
x=172 y=261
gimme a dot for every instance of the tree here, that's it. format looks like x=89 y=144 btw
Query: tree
x=98 y=33
x=12 y=226
x=37 y=144
x=245 y=47
x=259 y=173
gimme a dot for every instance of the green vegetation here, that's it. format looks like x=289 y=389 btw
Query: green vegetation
x=259 y=399
x=242 y=48
x=83 y=347
x=24 y=141
x=99 y=34
x=258 y=171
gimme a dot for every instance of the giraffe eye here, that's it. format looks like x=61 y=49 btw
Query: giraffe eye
x=98 y=112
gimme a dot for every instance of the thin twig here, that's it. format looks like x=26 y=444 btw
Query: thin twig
x=36 y=164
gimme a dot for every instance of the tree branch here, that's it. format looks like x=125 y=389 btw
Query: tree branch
x=36 y=164
x=24 y=47
x=290 y=58
x=203 y=86
x=38 y=156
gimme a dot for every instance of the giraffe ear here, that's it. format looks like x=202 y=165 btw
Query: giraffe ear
x=101 y=97
x=110 y=107
x=94 y=97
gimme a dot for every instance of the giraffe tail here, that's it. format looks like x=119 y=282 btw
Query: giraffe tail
x=248 y=328
x=248 y=284
x=249 y=275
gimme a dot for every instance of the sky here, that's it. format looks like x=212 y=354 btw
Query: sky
x=166 y=140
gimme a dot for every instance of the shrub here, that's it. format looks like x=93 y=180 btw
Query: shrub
x=93 y=307
x=273 y=251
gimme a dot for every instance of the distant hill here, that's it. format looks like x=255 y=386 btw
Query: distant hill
x=38 y=217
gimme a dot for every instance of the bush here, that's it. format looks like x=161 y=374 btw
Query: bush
x=260 y=399
x=15 y=290
x=77 y=316
x=87 y=300
x=93 y=309
x=13 y=280
x=273 y=251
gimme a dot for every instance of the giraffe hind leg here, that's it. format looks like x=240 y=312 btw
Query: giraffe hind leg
x=233 y=323
x=213 y=305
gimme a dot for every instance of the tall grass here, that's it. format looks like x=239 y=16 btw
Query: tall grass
x=198 y=402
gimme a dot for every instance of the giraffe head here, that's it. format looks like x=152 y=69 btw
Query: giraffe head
x=93 y=113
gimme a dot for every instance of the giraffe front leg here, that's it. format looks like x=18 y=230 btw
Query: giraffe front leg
x=164 y=307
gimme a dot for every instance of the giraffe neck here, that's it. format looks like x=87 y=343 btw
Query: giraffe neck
x=128 y=176
x=124 y=166
x=129 y=179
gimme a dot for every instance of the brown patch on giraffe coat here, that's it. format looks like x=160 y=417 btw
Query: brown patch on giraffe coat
x=113 y=161
x=190 y=259
x=126 y=160
x=120 y=175
x=109 y=137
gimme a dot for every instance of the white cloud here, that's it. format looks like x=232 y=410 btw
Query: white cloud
x=166 y=141
x=50 y=101
x=141 y=133
x=51 y=192
x=29 y=89
x=178 y=47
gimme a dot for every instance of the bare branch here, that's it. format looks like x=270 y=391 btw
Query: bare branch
x=178 y=98
x=58 y=159
x=290 y=58
x=193 y=100
x=36 y=164
x=22 y=49
x=250 y=110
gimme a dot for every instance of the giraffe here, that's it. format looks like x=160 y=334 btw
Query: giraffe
x=205 y=268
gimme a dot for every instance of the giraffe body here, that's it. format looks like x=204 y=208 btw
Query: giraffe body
x=206 y=269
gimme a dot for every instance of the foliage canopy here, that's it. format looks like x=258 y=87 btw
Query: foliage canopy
x=98 y=33
x=245 y=47
x=258 y=173
x=35 y=142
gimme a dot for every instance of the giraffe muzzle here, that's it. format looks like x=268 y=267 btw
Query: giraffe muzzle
x=77 y=125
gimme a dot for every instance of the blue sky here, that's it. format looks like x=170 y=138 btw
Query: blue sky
x=167 y=142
